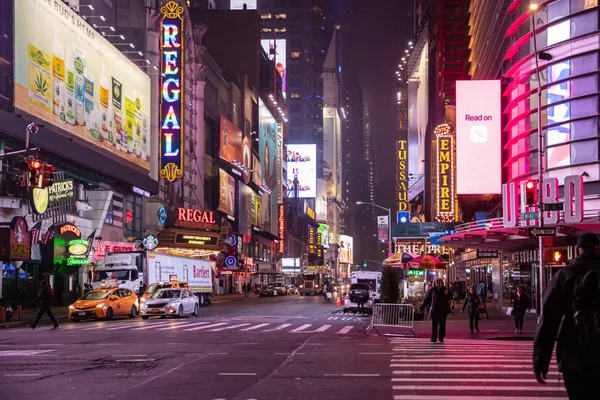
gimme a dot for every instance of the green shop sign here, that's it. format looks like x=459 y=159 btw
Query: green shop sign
x=416 y=273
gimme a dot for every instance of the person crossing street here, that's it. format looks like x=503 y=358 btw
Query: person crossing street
x=45 y=297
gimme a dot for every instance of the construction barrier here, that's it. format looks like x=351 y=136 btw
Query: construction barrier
x=401 y=316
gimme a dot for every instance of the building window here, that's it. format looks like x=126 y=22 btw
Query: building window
x=265 y=16
x=295 y=95
x=114 y=214
x=133 y=215
x=295 y=54
x=266 y=29
x=280 y=16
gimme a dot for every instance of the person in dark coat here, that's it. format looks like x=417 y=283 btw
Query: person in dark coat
x=473 y=302
x=438 y=301
x=579 y=365
x=45 y=299
x=520 y=302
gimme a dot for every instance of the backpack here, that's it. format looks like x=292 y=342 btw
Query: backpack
x=586 y=308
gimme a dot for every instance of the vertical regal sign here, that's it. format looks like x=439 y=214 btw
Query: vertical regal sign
x=171 y=101
x=446 y=165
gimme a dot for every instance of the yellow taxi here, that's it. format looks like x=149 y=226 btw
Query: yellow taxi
x=105 y=303
x=155 y=287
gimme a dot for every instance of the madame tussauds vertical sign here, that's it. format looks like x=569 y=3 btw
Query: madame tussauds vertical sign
x=171 y=102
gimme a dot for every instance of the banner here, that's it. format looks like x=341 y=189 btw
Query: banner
x=226 y=193
x=383 y=229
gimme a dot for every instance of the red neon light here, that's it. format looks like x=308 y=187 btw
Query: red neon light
x=70 y=228
x=191 y=215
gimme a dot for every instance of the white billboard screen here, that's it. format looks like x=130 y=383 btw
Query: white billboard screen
x=346 y=250
x=478 y=136
x=302 y=165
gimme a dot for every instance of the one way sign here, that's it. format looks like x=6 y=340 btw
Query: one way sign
x=542 y=232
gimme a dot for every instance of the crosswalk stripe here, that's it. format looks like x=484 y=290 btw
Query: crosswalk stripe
x=99 y=325
x=458 y=388
x=228 y=327
x=252 y=328
x=177 y=326
x=345 y=329
x=278 y=328
x=407 y=363
x=205 y=327
x=155 y=325
x=302 y=329
x=459 y=358
x=116 y=328
x=462 y=380
x=460 y=375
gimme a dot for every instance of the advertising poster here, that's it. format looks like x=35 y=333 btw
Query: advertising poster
x=71 y=77
x=257 y=218
x=257 y=176
x=267 y=151
x=277 y=47
x=230 y=144
x=239 y=4
x=382 y=229
x=226 y=193
x=302 y=164
x=323 y=231
x=246 y=204
x=478 y=131
x=321 y=200
x=346 y=250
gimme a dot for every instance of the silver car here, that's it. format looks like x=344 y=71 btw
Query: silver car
x=170 y=302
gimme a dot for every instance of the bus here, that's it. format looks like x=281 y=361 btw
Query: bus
x=311 y=284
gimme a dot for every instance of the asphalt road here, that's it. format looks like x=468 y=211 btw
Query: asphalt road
x=275 y=348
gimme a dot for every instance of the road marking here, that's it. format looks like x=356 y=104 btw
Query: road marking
x=23 y=375
x=355 y=375
x=345 y=329
x=461 y=380
x=237 y=373
x=179 y=326
x=254 y=327
x=438 y=363
x=102 y=325
x=154 y=325
x=460 y=359
x=116 y=328
x=228 y=327
x=205 y=327
x=302 y=328
x=25 y=353
x=280 y=327
x=456 y=388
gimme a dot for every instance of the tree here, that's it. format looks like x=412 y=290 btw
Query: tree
x=390 y=289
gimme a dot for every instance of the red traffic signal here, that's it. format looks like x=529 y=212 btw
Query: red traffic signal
x=32 y=172
x=530 y=193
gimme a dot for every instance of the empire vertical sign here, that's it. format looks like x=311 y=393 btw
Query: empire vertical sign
x=402 y=175
x=445 y=167
x=171 y=102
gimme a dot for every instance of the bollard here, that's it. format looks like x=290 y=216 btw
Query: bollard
x=19 y=312
x=1 y=314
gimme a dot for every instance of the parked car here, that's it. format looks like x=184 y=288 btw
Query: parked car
x=280 y=289
x=267 y=291
x=171 y=302
x=292 y=289
x=358 y=291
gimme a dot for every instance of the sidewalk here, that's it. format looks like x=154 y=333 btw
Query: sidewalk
x=62 y=313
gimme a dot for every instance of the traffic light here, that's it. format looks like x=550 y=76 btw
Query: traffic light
x=530 y=193
x=364 y=264
x=47 y=175
x=32 y=172
x=554 y=256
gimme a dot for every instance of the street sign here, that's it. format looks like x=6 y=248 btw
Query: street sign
x=530 y=215
x=554 y=207
x=542 y=232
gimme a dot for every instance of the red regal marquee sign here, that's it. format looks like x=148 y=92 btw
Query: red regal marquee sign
x=514 y=205
x=196 y=219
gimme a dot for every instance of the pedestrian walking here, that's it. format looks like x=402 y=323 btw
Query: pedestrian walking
x=325 y=288
x=482 y=293
x=472 y=302
x=455 y=292
x=520 y=303
x=438 y=302
x=45 y=297
x=571 y=304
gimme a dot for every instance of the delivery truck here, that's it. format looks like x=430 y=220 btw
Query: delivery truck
x=371 y=278
x=138 y=270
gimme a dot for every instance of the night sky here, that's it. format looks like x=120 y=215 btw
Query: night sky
x=380 y=34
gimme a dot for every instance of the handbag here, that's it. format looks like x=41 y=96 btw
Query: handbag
x=513 y=312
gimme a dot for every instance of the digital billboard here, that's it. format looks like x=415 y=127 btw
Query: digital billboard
x=246 y=210
x=278 y=48
x=226 y=193
x=68 y=75
x=267 y=151
x=230 y=143
x=478 y=135
x=239 y=4
x=346 y=250
x=302 y=165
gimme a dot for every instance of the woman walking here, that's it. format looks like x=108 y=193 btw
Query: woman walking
x=438 y=301
x=520 y=302
x=472 y=301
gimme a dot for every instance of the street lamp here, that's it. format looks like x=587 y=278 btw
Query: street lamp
x=389 y=210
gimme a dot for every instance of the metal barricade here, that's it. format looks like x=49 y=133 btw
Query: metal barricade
x=395 y=316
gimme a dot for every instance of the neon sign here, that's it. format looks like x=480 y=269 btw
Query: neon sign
x=281 y=227
x=445 y=190
x=70 y=228
x=171 y=102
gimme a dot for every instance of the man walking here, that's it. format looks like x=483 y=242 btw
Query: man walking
x=45 y=298
x=572 y=300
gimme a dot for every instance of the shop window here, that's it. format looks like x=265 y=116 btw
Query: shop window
x=280 y=16
x=295 y=95
x=295 y=54
x=265 y=16
x=267 y=30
